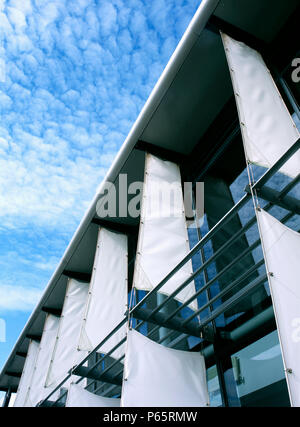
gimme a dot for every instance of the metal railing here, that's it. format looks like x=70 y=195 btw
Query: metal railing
x=172 y=321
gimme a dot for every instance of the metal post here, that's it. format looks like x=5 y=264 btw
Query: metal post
x=162 y=331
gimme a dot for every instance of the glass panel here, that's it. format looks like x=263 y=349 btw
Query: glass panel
x=214 y=387
x=197 y=261
x=259 y=373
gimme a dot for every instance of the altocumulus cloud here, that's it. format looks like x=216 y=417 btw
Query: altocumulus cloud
x=17 y=298
x=76 y=74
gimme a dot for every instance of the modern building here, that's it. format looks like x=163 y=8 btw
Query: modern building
x=210 y=281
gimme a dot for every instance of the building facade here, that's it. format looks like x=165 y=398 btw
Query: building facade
x=193 y=271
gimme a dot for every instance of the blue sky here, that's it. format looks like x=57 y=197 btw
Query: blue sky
x=74 y=75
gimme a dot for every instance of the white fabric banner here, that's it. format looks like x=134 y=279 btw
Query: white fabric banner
x=267 y=127
x=158 y=376
x=78 y=397
x=37 y=391
x=27 y=373
x=107 y=300
x=65 y=353
x=281 y=247
x=163 y=239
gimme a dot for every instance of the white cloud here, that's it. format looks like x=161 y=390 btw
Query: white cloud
x=108 y=18
x=22 y=5
x=48 y=265
x=18 y=298
x=5 y=102
x=77 y=74
x=17 y=18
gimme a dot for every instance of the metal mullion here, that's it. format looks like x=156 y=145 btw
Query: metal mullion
x=234 y=299
x=218 y=362
x=283 y=71
x=195 y=274
x=289 y=186
x=211 y=281
x=111 y=366
x=216 y=254
x=202 y=256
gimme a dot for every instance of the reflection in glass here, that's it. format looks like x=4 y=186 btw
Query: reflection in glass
x=259 y=373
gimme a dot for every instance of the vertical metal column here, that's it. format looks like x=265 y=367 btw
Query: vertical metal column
x=289 y=95
x=215 y=346
x=6 y=399
x=163 y=331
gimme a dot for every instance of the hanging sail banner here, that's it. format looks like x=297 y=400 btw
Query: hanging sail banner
x=281 y=247
x=27 y=373
x=78 y=397
x=65 y=353
x=37 y=390
x=267 y=127
x=158 y=376
x=107 y=299
x=163 y=240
